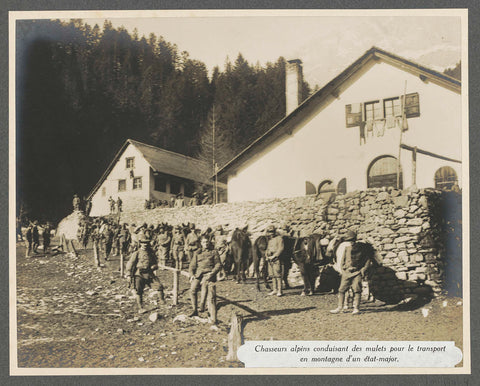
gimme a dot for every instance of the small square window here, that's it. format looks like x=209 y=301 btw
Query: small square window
x=137 y=183
x=122 y=185
x=130 y=162
x=392 y=107
x=372 y=110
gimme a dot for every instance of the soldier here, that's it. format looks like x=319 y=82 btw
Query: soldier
x=203 y=270
x=46 y=237
x=111 y=201
x=108 y=234
x=191 y=243
x=29 y=240
x=35 y=236
x=76 y=202
x=19 y=228
x=353 y=269
x=88 y=207
x=119 y=204
x=179 y=202
x=206 y=199
x=177 y=247
x=140 y=269
x=221 y=246
x=194 y=201
x=163 y=245
x=274 y=250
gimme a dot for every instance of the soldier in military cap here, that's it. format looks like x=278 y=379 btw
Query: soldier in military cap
x=274 y=250
x=177 y=246
x=353 y=264
x=140 y=268
x=203 y=270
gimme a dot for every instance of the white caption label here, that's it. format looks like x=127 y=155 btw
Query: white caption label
x=349 y=354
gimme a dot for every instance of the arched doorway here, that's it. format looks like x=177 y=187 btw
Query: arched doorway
x=382 y=172
x=310 y=188
x=445 y=178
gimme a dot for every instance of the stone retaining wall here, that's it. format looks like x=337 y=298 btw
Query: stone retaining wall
x=406 y=227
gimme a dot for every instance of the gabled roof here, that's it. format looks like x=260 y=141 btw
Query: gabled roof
x=334 y=87
x=162 y=161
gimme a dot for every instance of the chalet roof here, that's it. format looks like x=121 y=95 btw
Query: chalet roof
x=333 y=88
x=163 y=161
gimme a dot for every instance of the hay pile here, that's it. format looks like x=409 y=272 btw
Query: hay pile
x=70 y=224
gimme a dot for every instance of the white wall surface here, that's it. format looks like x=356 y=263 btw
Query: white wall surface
x=322 y=147
x=130 y=197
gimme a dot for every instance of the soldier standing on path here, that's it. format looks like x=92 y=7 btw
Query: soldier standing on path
x=353 y=268
x=203 y=270
x=274 y=250
x=46 y=237
x=19 y=228
x=140 y=269
x=29 y=240
x=177 y=247
x=163 y=245
x=35 y=236
x=191 y=242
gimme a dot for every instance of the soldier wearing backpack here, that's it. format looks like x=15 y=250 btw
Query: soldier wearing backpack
x=140 y=269
x=354 y=264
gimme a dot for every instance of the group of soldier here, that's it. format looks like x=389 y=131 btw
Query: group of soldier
x=32 y=237
x=178 y=201
x=152 y=247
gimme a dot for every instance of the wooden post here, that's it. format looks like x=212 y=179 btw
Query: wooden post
x=63 y=241
x=121 y=262
x=176 y=275
x=73 y=247
x=212 y=302
x=95 y=252
x=414 y=166
x=234 y=337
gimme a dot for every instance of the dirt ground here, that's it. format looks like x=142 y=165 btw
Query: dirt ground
x=71 y=314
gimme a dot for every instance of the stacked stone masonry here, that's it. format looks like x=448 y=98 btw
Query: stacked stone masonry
x=406 y=228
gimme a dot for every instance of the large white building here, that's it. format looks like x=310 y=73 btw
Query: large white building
x=348 y=135
x=141 y=172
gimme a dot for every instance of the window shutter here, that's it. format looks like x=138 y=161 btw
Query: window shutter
x=354 y=118
x=412 y=105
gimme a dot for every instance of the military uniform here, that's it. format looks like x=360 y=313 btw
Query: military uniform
x=191 y=244
x=178 y=248
x=203 y=270
x=140 y=267
x=163 y=246
x=275 y=248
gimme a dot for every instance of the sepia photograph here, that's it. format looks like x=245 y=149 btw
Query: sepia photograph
x=211 y=191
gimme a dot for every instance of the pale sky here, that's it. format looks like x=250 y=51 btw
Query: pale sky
x=325 y=44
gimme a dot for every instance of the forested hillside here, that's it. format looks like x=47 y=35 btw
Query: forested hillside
x=82 y=90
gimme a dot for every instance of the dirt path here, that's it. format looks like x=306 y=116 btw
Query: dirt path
x=72 y=314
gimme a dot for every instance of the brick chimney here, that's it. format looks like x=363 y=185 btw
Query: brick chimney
x=293 y=84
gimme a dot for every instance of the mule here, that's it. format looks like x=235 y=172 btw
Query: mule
x=241 y=252
x=309 y=254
